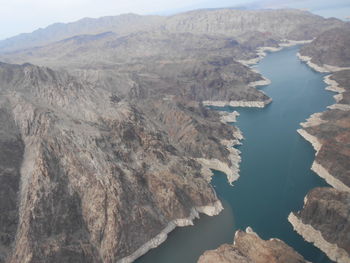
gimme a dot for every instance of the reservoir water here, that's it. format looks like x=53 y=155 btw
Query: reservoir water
x=275 y=170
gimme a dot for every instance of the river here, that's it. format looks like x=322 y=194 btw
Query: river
x=275 y=170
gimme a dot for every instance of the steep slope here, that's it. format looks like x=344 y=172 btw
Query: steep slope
x=11 y=157
x=325 y=221
x=94 y=171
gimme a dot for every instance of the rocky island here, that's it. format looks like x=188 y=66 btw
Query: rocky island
x=106 y=142
x=248 y=247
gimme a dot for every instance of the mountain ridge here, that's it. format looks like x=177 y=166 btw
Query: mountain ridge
x=118 y=24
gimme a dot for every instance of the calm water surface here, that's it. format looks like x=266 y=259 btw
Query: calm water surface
x=275 y=170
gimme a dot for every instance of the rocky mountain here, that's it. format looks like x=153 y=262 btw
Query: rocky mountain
x=196 y=67
x=324 y=219
x=121 y=24
x=276 y=24
x=272 y=25
x=248 y=247
x=106 y=143
x=110 y=49
x=82 y=173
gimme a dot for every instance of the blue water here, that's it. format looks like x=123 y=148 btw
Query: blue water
x=275 y=170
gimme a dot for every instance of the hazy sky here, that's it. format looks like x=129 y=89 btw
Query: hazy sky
x=20 y=16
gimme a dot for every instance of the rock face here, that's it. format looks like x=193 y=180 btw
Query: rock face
x=248 y=247
x=11 y=157
x=333 y=135
x=324 y=219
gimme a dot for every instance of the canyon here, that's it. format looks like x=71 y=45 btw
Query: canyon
x=107 y=143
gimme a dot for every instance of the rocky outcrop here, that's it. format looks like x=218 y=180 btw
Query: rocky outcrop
x=248 y=247
x=325 y=221
x=330 y=142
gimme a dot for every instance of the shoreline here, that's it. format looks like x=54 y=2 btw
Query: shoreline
x=210 y=210
x=228 y=117
x=316 y=119
x=317 y=167
x=308 y=232
x=232 y=172
x=322 y=69
x=237 y=103
x=262 y=51
x=315 y=237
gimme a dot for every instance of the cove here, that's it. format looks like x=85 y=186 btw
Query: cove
x=275 y=171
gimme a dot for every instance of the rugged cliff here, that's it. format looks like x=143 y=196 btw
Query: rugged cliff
x=324 y=219
x=95 y=171
x=248 y=247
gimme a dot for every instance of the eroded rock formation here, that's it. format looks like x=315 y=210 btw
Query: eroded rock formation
x=248 y=247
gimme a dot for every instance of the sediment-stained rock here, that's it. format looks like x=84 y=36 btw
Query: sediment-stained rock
x=325 y=221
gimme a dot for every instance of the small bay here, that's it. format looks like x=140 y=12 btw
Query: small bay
x=275 y=170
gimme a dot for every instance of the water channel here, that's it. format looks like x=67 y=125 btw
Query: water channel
x=275 y=170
